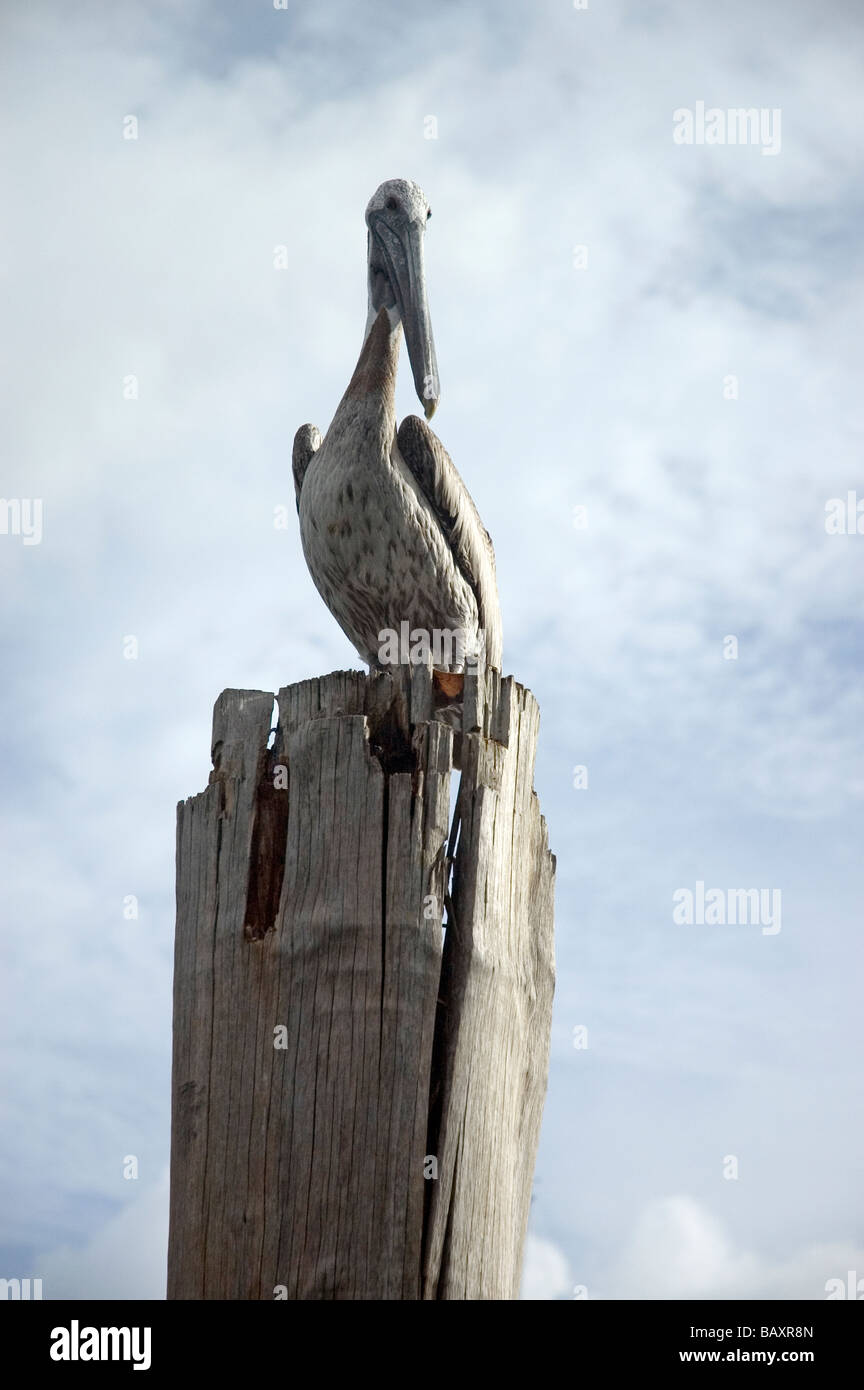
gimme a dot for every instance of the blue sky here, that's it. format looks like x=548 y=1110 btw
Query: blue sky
x=600 y=387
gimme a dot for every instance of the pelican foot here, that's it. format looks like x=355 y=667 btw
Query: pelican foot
x=450 y=683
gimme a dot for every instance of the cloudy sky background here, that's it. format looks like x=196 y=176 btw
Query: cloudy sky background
x=600 y=387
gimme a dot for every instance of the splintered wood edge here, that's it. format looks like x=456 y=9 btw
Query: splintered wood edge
x=243 y=717
x=241 y=721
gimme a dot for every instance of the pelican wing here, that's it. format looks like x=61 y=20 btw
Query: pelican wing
x=454 y=509
x=307 y=441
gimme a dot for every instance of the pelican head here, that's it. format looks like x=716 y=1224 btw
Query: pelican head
x=396 y=216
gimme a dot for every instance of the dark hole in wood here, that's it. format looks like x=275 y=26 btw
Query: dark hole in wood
x=267 y=854
x=392 y=746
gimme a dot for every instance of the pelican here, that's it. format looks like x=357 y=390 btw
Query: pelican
x=392 y=538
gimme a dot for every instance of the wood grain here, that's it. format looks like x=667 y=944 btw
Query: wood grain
x=311 y=888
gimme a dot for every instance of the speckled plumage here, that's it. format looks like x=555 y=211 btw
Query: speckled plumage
x=389 y=530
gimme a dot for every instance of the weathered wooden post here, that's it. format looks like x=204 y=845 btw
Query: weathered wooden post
x=357 y=1094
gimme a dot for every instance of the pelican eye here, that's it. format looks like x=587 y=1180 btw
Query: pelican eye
x=428 y=213
x=392 y=205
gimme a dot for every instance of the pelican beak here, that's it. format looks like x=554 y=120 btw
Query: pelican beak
x=403 y=251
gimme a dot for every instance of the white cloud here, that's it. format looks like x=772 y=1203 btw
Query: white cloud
x=545 y=1270
x=679 y=1250
x=126 y=1258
